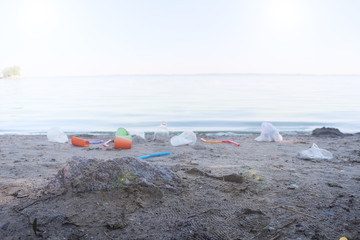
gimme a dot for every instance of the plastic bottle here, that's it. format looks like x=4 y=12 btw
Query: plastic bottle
x=162 y=133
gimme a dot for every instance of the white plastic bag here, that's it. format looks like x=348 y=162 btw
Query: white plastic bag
x=269 y=133
x=56 y=135
x=315 y=153
x=187 y=137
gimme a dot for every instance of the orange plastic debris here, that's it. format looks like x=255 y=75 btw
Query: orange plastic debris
x=79 y=142
x=121 y=142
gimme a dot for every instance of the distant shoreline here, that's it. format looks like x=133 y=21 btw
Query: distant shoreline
x=12 y=77
x=199 y=74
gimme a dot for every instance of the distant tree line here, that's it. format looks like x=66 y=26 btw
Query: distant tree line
x=11 y=71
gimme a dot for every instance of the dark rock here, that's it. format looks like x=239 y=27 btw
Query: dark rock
x=86 y=175
x=327 y=132
x=236 y=178
x=119 y=223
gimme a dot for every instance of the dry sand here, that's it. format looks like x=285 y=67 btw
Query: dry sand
x=259 y=190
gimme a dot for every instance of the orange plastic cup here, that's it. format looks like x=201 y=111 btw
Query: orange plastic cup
x=79 y=142
x=123 y=143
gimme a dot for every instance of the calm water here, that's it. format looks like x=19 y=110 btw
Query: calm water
x=198 y=102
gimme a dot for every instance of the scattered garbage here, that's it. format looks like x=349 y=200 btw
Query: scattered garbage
x=154 y=155
x=106 y=144
x=122 y=132
x=223 y=141
x=122 y=139
x=315 y=153
x=57 y=135
x=83 y=142
x=122 y=142
x=185 y=138
x=162 y=133
x=293 y=187
x=330 y=213
x=79 y=142
x=269 y=133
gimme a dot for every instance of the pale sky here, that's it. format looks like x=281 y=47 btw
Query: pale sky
x=101 y=37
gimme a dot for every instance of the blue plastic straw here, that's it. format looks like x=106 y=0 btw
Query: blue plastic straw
x=154 y=155
x=96 y=142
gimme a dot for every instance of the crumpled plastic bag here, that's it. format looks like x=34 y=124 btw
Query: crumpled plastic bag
x=269 y=133
x=57 y=135
x=187 y=137
x=315 y=153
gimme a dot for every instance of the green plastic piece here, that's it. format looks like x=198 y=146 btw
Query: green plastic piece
x=122 y=132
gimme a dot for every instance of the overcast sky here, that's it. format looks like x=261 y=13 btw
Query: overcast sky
x=100 y=37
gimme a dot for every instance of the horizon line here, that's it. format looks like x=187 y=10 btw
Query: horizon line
x=202 y=74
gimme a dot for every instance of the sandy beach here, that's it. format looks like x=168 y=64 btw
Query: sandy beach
x=259 y=190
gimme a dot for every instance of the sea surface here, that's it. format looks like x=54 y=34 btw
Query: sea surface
x=230 y=103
